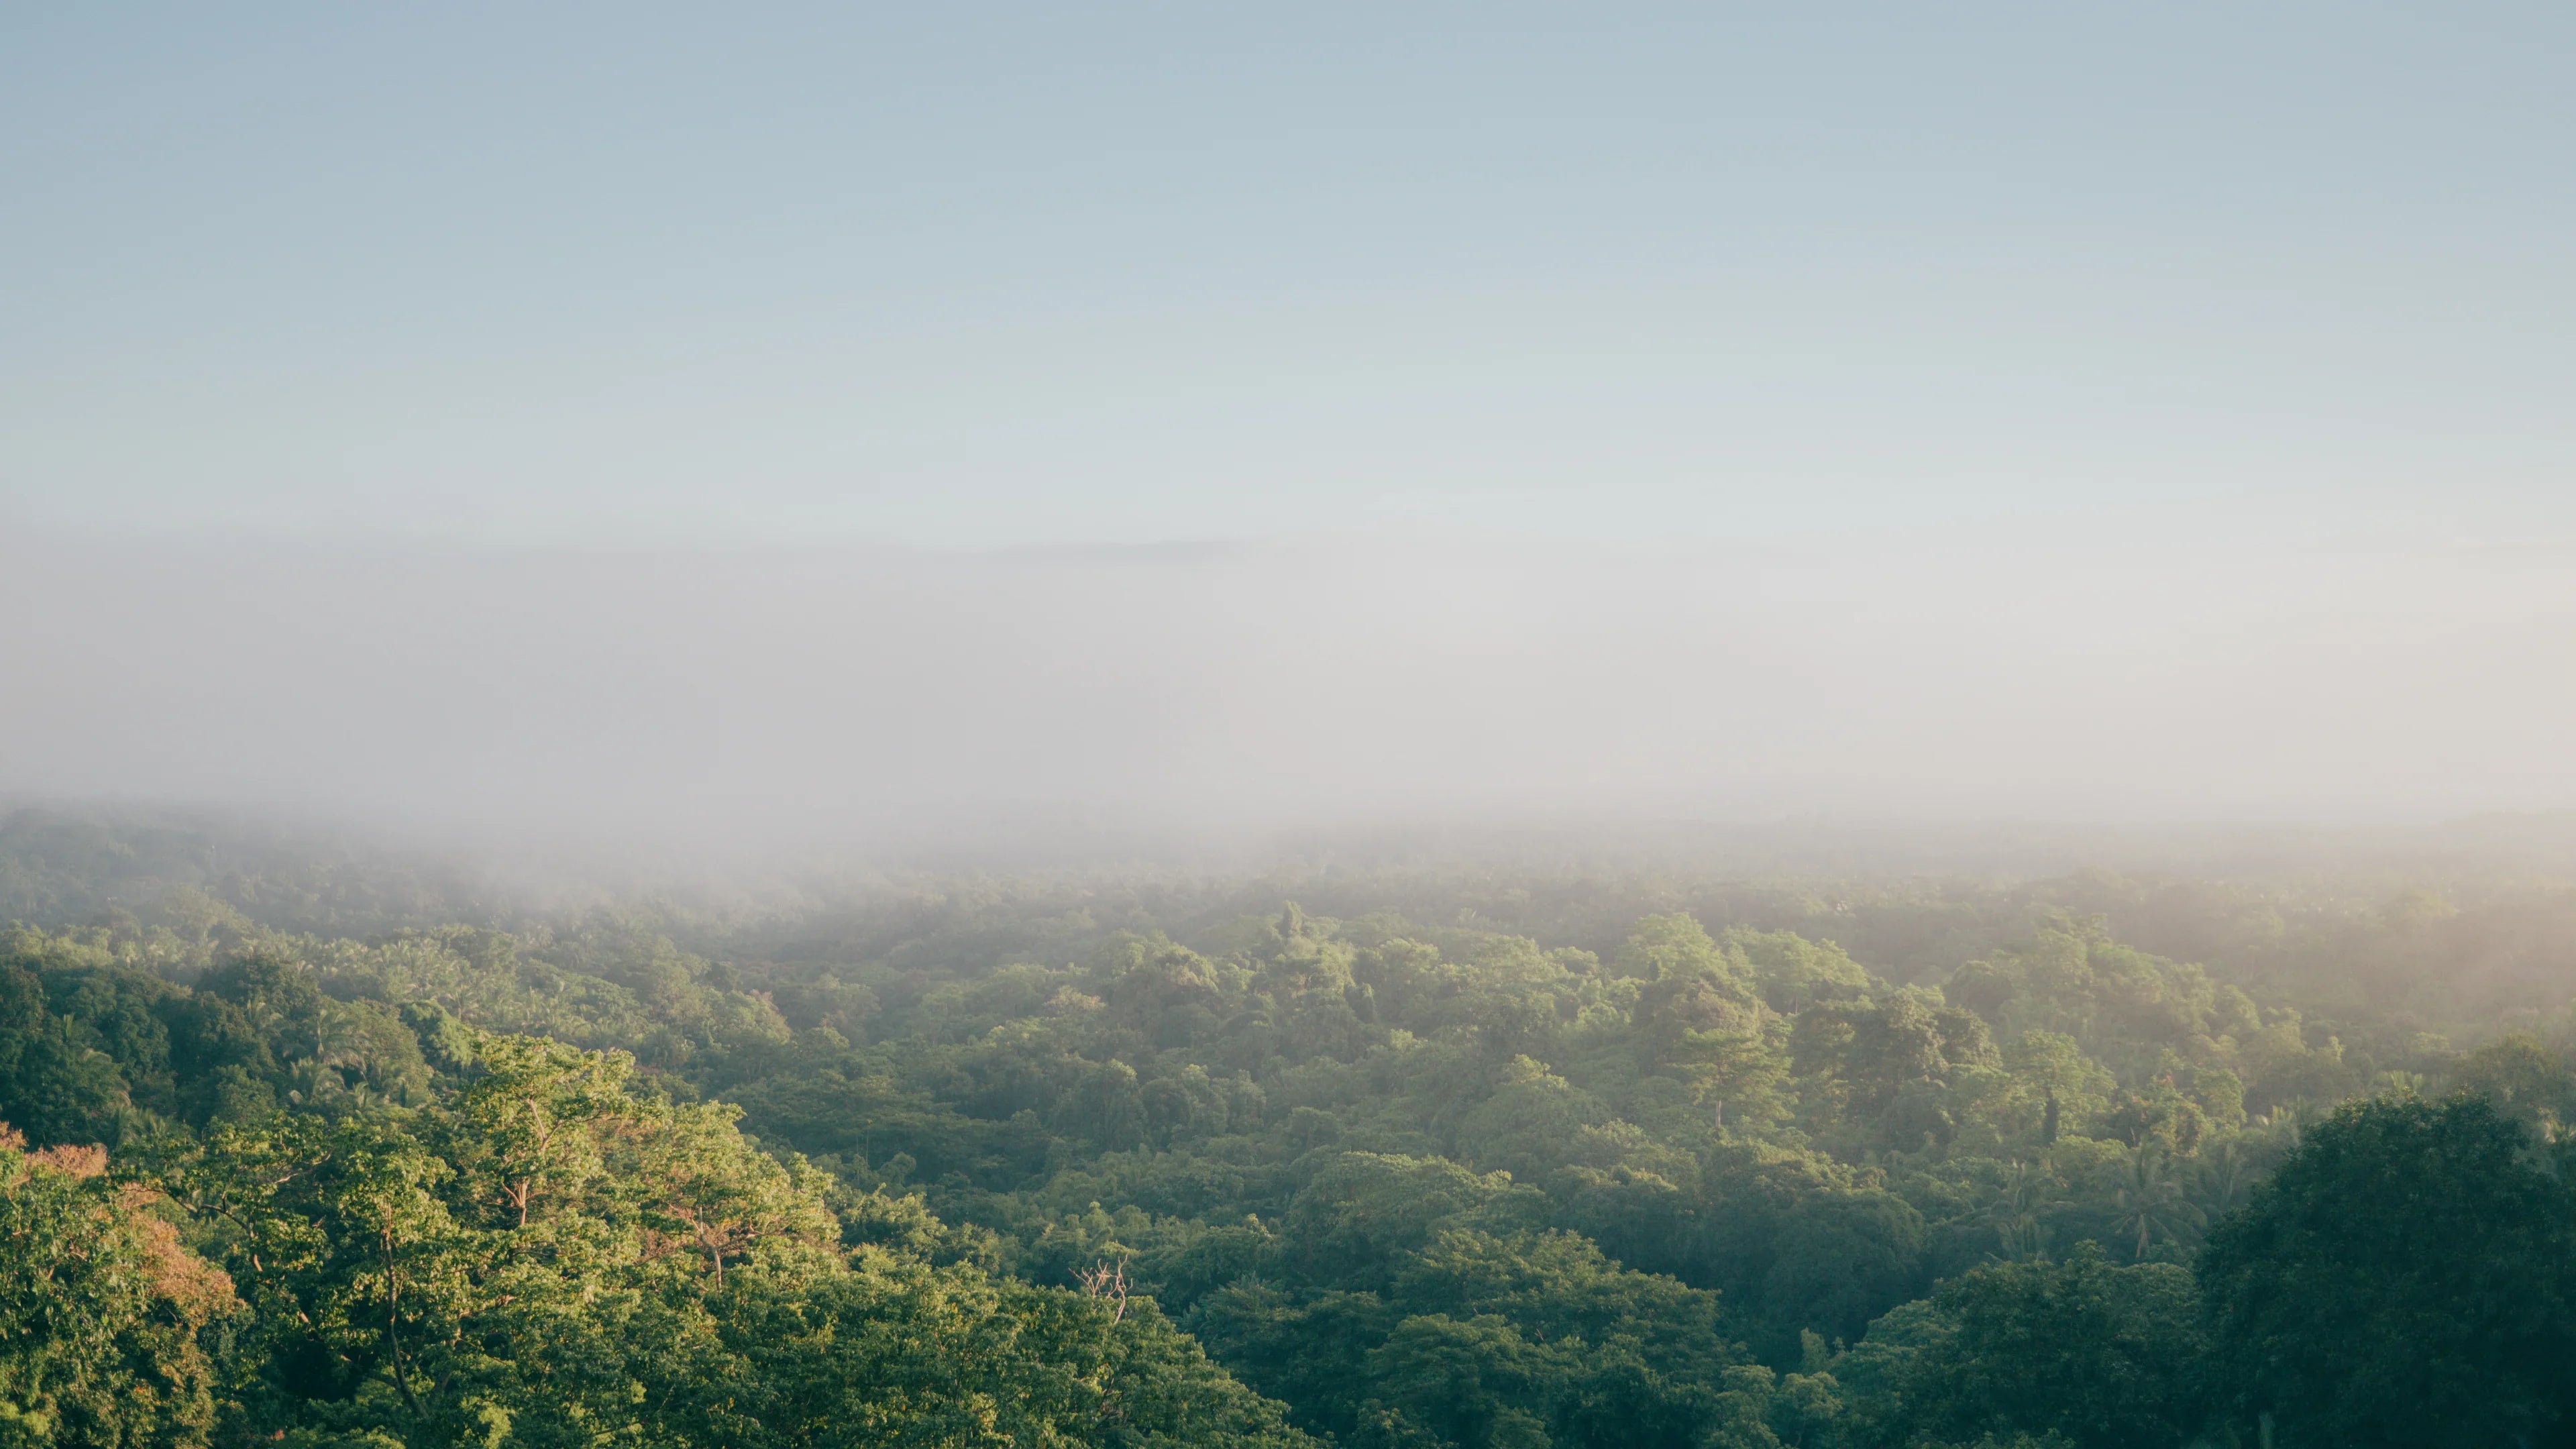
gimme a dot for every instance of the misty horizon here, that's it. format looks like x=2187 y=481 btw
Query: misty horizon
x=844 y=425
x=2189 y=670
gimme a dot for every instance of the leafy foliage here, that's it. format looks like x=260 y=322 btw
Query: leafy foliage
x=2403 y=1279
x=101 y=1309
x=1585 y=1163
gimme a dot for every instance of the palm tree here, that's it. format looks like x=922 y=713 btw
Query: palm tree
x=2151 y=1201
x=2225 y=1177
x=2027 y=1193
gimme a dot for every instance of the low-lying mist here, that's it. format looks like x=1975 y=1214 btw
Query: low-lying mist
x=2170 y=671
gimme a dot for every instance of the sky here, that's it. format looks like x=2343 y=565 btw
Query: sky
x=1290 y=409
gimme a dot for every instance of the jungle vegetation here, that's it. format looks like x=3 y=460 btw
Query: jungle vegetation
x=1370 y=1158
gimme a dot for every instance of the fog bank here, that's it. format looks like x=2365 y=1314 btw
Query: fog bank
x=2171 y=669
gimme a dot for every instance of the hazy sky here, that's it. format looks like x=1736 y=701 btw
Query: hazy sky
x=987 y=274
x=2163 y=671
x=769 y=414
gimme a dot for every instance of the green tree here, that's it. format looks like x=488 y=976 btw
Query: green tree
x=899 y=1353
x=100 y=1310
x=2105 y=1356
x=57 y=1089
x=2153 y=1204
x=2402 y=1279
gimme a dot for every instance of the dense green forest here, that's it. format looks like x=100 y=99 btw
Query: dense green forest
x=329 y=1150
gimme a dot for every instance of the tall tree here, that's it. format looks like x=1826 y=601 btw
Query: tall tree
x=2106 y=1356
x=2403 y=1279
x=100 y=1310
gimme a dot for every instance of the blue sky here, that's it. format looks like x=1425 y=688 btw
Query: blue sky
x=995 y=275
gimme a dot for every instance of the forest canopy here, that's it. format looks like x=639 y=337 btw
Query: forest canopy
x=319 y=1157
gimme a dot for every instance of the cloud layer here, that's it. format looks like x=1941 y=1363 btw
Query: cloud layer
x=2172 y=669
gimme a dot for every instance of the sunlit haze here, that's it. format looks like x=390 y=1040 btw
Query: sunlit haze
x=626 y=417
x=1293 y=726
